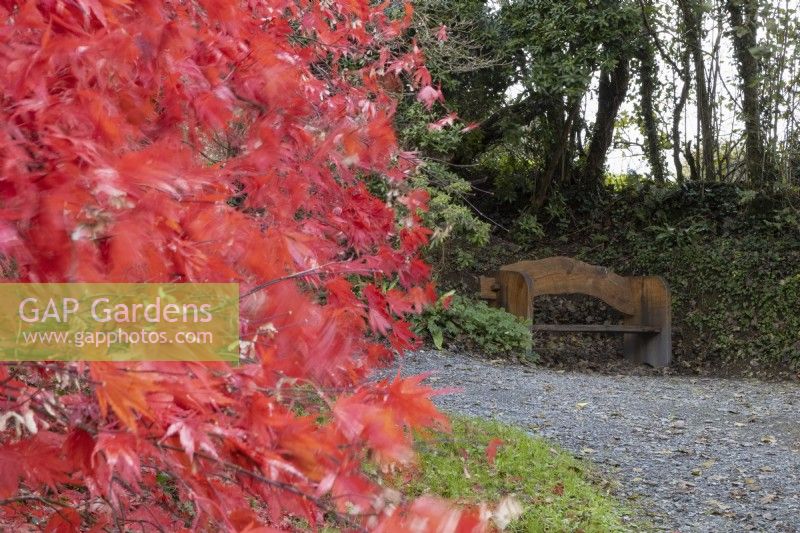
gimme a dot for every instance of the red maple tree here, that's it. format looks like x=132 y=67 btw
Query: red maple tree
x=216 y=141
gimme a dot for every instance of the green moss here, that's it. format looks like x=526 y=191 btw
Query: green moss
x=557 y=491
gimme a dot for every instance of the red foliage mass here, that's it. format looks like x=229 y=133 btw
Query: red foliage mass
x=215 y=141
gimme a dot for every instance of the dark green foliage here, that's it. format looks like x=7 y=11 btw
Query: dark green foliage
x=474 y=325
x=521 y=68
x=563 y=43
x=510 y=166
x=458 y=232
x=527 y=228
x=472 y=64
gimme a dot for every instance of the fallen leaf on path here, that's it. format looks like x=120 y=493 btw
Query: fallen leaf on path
x=768 y=498
x=752 y=484
x=719 y=508
x=738 y=494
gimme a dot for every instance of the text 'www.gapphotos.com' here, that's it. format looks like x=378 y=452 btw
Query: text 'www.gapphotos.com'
x=80 y=339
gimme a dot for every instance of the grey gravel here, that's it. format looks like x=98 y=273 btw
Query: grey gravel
x=694 y=454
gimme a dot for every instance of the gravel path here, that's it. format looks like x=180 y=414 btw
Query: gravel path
x=694 y=454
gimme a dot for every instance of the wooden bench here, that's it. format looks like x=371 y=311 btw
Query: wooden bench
x=644 y=301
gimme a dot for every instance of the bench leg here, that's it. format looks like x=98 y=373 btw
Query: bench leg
x=516 y=297
x=516 y=290
x=654 y=309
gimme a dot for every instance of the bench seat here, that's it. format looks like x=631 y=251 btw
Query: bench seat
x=594 y=328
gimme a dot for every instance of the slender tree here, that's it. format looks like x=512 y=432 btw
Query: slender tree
x=692 y=14
x=743 y=28
x=646 y=62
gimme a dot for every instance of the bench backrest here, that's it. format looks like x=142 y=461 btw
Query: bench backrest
x=564 y=275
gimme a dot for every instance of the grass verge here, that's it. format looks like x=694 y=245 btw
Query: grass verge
x=557 y=491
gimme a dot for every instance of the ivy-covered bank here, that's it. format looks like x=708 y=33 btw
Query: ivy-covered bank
x=730 y=256
x=735 y=297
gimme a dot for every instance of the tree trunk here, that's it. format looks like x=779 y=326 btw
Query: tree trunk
x=694 y=173
x=555 y=160
x=611 y=94
x=647 y=86
x=743 y=20
x=676 y=117
x=692 y=19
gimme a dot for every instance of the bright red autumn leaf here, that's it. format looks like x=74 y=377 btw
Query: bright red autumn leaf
x=443 y=122
x=441 y=33
x=491 y=450
x=429 y=95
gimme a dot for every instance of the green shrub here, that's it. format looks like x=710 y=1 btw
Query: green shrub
x=457 y=232
x=474 y=325
x=527 y=228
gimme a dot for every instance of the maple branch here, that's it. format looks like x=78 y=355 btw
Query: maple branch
x=5 y=383
x=487 y=217
x=57 y=505
x=296 y=275
x=237 y=65
x=446 y=162
x=174 y=204
x=34 y=497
